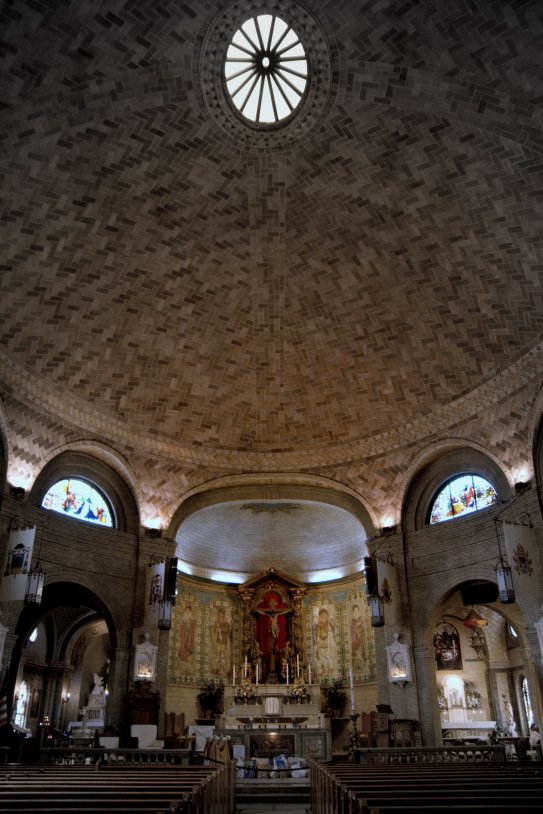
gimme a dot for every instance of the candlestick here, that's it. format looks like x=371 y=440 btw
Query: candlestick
x=297 y=665
x=310 y=672
x=234 y=675
x=257 y=673
x=287 y=674
x=245 y=667
x=352 y=688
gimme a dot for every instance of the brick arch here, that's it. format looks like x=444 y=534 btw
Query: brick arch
x=439 y=464
x=289 y=486
x=430 y=610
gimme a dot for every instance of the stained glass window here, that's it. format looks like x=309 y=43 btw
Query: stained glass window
x=460 y=496
x=78 y=498
x=266 y=69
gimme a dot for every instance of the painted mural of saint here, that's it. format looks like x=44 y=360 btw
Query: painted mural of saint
x=187 y=635
x=220 y=643
x=358 y=639
x=324 y=642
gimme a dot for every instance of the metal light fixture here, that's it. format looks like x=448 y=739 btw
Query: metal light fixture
x=35 y=580
x=375 y=600
x=34 y=585
x=504 y=577
x=164 y=614
x=377 y=610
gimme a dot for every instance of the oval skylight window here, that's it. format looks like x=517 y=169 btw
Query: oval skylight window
x=266 y=70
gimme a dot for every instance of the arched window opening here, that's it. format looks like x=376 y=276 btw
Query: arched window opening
x=21 y=706
x=526 y=702
x=78 y=498
x=462 y=495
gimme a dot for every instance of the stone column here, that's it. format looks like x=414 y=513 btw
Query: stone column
x=425 y=674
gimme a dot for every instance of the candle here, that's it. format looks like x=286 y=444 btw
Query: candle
x=287 y=673
x=310 y=672
x=245 y=667
x=297 y=665
x=257 y=673
x=352 y=688
x=234 y=675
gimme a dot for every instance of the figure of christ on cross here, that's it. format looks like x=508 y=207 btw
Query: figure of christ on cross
x=276 y=633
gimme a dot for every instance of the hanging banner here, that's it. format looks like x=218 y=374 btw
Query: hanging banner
x=17 y=564
x=156 y=588
x=387 y=580
x=520 y=548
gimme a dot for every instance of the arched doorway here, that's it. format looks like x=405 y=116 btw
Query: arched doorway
x=64 y=658
x=480 y=664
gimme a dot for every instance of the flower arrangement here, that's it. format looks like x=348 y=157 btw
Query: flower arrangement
x=245 y=693
x=298 y=692
x=210 y=694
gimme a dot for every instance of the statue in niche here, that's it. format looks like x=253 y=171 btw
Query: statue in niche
x=145 y=661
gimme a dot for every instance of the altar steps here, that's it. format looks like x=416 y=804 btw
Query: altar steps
x=272 y=791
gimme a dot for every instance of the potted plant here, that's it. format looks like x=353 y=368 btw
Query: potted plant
x=210 y=696
x=336 y=697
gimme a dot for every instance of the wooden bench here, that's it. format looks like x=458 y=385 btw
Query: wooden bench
x=368 y=789
x=144 y=789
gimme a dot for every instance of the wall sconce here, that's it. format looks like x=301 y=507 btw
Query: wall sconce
x=65 y=697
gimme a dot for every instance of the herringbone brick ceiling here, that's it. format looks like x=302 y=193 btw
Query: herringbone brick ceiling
x=163 y=277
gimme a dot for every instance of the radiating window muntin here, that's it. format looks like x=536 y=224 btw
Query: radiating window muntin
x=77 y=498
x=462 y=495
x=266 y=70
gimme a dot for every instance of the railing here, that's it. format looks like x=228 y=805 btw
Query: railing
x=476 y=753
x=88 y=755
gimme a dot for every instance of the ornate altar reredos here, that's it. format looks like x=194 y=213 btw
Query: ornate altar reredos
x=272 y=626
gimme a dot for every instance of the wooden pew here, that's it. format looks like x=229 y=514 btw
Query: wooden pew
x=146 y=789
x=361 y=789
